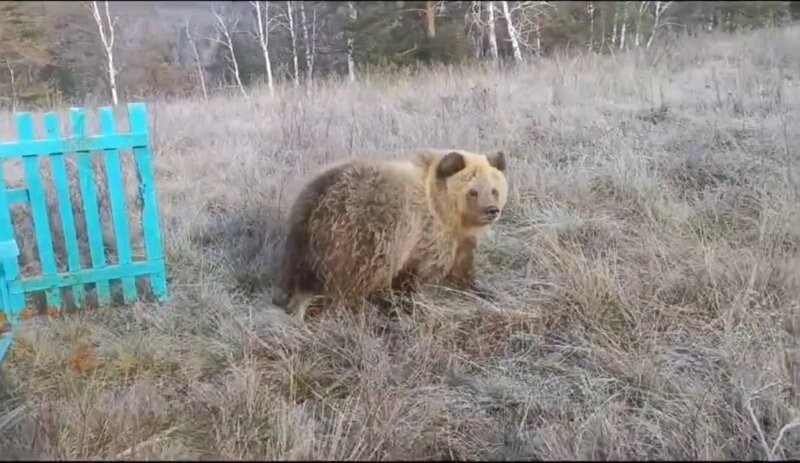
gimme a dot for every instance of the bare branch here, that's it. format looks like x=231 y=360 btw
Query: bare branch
x=226 y=30
x=107 y=35
x=198 y=63
x=263 y=22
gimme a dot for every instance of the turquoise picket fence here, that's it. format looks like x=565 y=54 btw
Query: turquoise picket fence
x=54 y=146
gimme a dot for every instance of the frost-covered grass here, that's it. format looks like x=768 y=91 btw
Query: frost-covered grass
x=646 y=267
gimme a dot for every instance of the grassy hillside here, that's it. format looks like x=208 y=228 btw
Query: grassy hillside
x=646 y=268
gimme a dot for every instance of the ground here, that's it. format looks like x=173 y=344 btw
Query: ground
x=646 y=268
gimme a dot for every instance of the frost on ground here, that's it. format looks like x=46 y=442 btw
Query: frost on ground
x=646 y=266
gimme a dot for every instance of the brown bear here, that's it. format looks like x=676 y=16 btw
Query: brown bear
x=367 y=226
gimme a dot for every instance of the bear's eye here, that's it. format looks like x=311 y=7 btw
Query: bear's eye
x=494 y=191
x=473 y=193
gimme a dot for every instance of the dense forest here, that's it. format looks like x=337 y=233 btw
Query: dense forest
x=56 y=52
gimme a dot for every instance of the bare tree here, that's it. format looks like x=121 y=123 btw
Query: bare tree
x=198 y=62
x=476 y=28
x=639 y=17
x=590 y=8
x=290 y=26
x=430 y=19
x=226 y=25
x=624 y=25
x=309 y=45
x=660 y=7
x=263 y=28
x=512 y=32
x=528 y=17
x=492 y=33
x=351 y=64
x=106 y=31
x=12 y=75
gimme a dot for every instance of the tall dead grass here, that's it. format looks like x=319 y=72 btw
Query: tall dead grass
x=646 y=268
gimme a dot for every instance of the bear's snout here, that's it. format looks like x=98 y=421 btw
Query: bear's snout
x=491 y=212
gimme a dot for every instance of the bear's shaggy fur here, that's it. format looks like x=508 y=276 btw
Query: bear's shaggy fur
x=366 y=226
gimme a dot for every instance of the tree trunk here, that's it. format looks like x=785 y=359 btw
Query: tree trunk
x=430 y=19
x=659 y=10
x=512 y=32
x=107 y=39
x=294 y=43
x=590 y=12
x=263 y=40
x=492 y=35
x=638 y=35
x=309 y=48
x=351 y=64
x=197 y=61
x=225 y=29
x=624 y=25
x=614 y=27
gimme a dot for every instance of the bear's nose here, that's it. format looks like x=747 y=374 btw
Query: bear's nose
x=491 y=211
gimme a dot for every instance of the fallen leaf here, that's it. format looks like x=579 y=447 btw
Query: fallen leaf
x=82 y=359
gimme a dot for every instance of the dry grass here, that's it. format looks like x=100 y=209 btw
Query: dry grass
x=647 y=264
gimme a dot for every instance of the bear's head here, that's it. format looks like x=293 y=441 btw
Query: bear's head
x=474 y=186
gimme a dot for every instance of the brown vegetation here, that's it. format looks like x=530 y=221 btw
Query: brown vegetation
x=647 y=262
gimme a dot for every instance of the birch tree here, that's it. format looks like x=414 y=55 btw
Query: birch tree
x=639 y=17
x=309 y=44
x=590 y=8
x=293 y=35
x=107 y=34
x=263 y=28
x=226 y=25
x=198 y=62
x=513 y=36
x=430 y=19
x=623 y=26
x=351 y=63
x=12 y=75
x=660 y=7
x=475 y=27
x=492 y=33
x=526 y=20
x=614 y=27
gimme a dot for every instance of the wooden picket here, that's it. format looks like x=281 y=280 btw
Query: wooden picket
x=13 y=287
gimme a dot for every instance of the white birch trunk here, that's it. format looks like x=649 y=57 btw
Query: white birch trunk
x=263 y=28
x=107 y=39
x=614 y=28
x=351 y=63
x=225 y=29
x=624 y=25
x=512 y=32
x=492 y=34
x=638 y=35
x=660 y=7
x=197 y=61
x=590 y=11
x=309 y=47
x=293 y=35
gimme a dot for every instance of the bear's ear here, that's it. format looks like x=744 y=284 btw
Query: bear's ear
x=450 y=164
x=497 y=160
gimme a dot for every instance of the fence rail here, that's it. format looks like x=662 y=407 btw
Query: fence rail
x=53 y=146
